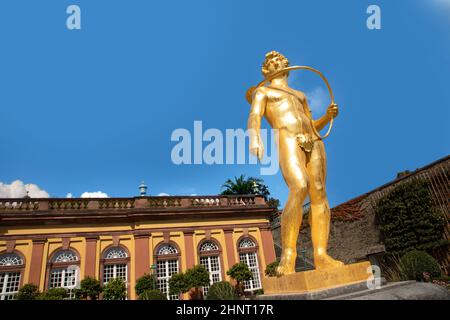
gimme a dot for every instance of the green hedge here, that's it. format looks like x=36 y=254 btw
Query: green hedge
x=416 y=263
x=409 y=220
x=222 y=290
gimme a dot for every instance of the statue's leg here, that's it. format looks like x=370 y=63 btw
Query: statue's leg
x=292 y=164
x=320 y=210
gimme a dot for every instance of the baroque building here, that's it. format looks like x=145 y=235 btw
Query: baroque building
x=58 y=242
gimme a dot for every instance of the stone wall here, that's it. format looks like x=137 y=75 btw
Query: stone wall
x=349 y=241
x=355 y=234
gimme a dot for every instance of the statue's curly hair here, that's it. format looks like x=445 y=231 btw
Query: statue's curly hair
x=273 y=62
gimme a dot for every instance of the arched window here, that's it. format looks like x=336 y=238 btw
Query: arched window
x=64 y=271
x=248 y=255
x=11 y=266
x=209 y=258
x=115 y=264
x=166 y=266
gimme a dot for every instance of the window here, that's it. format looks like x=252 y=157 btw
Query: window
x=209 y=258
x=166 y=266
x=64 y=271
x=11 y=266
x=115 y=264
x=247 y=255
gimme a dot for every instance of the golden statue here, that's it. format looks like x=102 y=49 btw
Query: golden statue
x=301 y=156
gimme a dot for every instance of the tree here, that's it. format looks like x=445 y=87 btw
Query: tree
x=197 y=277
x=178 y=284
x=273 y=202
x=409 y=219
x=271 y=269
x=115 y=289
x=240 y=273
x=28 y=292
x=152 y=294
x=243 y=186
x=89 y=288
x=144 y=283
x=193 y=278
x=53 y=294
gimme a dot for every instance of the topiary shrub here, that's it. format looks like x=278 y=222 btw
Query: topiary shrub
x=417 y=265
x=258 y=292
x=53 y=294
x=197 y=277
x=178 y=284
x=194 y=278
x=222 y=290
x=115 y=289
x=28 y=292
x=145 y=283
x=240 y=272
x=89 y=288
x=271 y=269
x=152 y=294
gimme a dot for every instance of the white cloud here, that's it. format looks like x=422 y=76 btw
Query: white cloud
x=441 y=7
x=69 y=195
x=17 y=189
x=318 y=100
x=162 y=194
x=96 y=194
x=441 y=3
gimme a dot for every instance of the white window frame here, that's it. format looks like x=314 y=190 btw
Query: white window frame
x=115 y=266
x=166 y=278
x=66 y=277
x=245 y=256
x=163 y=258
x=250 y=284
x=208 y=260
x=7 y=276
x=10 y=277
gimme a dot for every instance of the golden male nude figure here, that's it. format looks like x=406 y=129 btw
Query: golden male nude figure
x=302 y=160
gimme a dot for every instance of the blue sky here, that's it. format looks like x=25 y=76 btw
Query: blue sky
x=94 y=109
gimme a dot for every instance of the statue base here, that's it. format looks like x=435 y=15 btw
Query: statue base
x=303 y=282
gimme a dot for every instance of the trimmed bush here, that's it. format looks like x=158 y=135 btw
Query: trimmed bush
x=258 y=292
x=197 y=277
x=178 y=284
x=115 y=289
x=145 y=283
x=152 y=294
x=416 y=263
x=28 y=292
x=240 y=272
x=222 y=290
x=89 y=288
x=53 y=294
x=271 y=269
x=194 y=278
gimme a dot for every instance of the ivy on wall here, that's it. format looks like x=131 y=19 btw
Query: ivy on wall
x=409 y=219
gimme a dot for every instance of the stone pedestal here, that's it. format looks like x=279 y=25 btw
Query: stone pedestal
x=313 y=280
